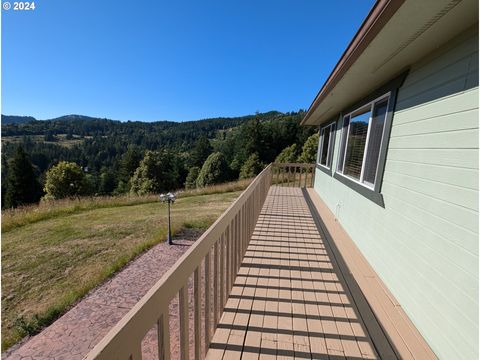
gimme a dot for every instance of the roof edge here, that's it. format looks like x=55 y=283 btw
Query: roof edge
x=376 y=19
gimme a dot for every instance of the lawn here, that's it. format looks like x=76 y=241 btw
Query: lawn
x=49 y=263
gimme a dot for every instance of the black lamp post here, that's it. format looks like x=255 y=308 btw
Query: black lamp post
x=169 y=199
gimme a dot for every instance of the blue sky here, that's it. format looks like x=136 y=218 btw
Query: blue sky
x=171 y=60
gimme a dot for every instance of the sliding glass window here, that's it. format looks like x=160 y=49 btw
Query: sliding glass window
x=362 y=136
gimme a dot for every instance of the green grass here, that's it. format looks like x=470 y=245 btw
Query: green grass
x=53 y=254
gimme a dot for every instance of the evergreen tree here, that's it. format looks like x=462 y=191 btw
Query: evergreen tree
x=107 y=182
x=214 y=170
x=22 y=186
x=288 y=155
x=156 y=173
x=251 y=167
x=69 y=135
x=309 y=150
x=249 y=141
x=191 y=181
x=201 y=151
x=129 y=163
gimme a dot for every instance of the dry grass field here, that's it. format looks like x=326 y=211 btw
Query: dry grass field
x=54 y=253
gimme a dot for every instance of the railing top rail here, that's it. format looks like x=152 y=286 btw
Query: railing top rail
x=293 y=165
x=138 y=321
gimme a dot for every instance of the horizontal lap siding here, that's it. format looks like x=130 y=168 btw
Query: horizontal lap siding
x=424 y=243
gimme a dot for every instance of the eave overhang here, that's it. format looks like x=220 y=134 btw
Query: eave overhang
x=395 y=34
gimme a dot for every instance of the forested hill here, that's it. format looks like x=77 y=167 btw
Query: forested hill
x=112 y=153
x=14 y=119
x=90 y=126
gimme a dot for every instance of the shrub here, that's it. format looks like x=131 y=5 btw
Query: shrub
x=66 y=179
x=156 y=173
x=309 y=149
x=214 y=170
x=251 y=167
x=191 y=181
x=288 y=155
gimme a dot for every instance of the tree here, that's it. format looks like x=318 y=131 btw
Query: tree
x=201 y=151
x=107 y=182
x=22 y=186
x=288 y=155
x=156 y=173
x=191 y=181
x=66 y=179
x=49 y=136
x=129 y=163
x=250 y=140
x=214 y=170
x=69 y=135
x=309 y=149
x=251 y=167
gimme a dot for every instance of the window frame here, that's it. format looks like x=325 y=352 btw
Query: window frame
x=369 y=105
x=372 y=193
x=331 y=145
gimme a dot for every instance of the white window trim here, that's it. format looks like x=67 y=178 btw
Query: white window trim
x=340 y=172
x=330 y=146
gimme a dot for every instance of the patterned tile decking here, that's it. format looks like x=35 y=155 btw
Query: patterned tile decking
x=289 y=299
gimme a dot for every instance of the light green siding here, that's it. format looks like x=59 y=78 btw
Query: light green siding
x=424 y=243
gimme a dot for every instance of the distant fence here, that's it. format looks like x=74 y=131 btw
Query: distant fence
x=213 y=262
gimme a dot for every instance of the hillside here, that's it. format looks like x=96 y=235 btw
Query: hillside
x=112 y=157
x=14 y=119
x=55 y=253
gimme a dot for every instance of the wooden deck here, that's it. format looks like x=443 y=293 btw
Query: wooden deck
x=290 y=298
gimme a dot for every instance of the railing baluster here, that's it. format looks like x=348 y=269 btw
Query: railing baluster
x=183 y=309
x=207 y=301
x=222 y=273
x=163 y=335
x=197 y=312
x=236 y=246
x=228 y=262
x=215 y=285
x=242 y=227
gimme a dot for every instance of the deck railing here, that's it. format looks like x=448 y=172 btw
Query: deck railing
x=213 y=262
x=293 y=174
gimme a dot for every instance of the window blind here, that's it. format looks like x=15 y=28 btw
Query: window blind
x=357 y=138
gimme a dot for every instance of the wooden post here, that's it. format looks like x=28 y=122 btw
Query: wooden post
x=228 y=262
x=196 y=312
x=222 y=273
x=207 y=301
x=215 y=285
x=163 y=335
x=183 y=309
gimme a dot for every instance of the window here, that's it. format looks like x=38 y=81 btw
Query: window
x=327 y=138
x=362 y=134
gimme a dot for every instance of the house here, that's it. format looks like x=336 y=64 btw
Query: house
x=398 y=160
